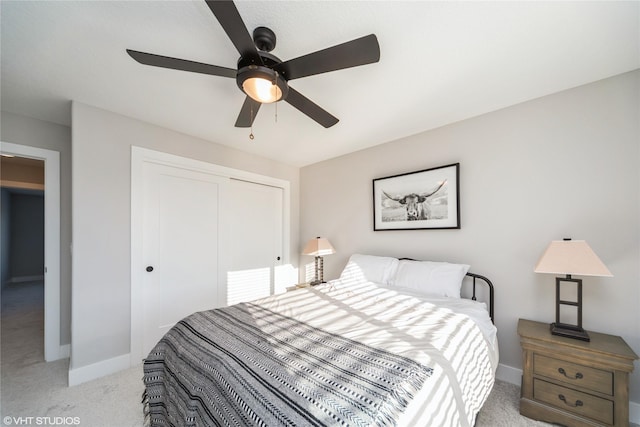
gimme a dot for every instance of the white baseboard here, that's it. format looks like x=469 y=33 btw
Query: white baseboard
x=509 y=374
x=634 y=412
x=99 y=369
x=514 y=376
x=65 y=351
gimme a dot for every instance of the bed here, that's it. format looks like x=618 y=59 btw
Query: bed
x=391 y=342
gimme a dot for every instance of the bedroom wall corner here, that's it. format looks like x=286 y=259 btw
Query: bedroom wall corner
x=564 y=165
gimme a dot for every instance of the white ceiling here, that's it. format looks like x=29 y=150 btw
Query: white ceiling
x=440 y=62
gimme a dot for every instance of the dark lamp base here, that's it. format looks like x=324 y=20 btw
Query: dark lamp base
x=569 y=331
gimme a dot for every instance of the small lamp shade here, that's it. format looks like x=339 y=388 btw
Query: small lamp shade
x=571 y=257
x=318 y=247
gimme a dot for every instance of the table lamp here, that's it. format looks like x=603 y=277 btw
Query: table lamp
x=570 y=257
x=318 y=247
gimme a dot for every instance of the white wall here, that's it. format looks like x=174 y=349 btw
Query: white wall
x=102 y=219
x=565 y=165
x=32 y=132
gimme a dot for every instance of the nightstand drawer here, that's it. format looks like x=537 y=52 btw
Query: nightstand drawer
x=572 y=373
x=582 y=404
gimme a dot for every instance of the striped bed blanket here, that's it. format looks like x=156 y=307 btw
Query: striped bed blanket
x=247 y=365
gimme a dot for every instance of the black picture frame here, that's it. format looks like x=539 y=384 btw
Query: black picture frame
x=420 y=200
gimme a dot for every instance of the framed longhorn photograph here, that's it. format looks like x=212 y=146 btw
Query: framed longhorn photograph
x=426 y=199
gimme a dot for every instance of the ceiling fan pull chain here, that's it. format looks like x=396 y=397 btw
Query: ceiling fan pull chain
x=251 y=131
x=276 y=85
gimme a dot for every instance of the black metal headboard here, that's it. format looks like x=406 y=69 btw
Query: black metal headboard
x=475 y=276
x=490 y=285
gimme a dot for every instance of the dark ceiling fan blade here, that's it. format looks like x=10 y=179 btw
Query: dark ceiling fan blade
x=229 y=18
x=364 y=50
x=248 y=113
x=180 y=64
x=309 y=108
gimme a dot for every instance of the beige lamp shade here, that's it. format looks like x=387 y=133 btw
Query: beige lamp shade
x=571 y=257
x=318 y=247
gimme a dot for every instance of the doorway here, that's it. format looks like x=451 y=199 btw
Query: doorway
x=52 y=348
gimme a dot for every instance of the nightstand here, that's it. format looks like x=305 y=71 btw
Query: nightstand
x=298 y=286
x=572 y=382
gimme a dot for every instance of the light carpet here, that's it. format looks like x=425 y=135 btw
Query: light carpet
x=32 y=388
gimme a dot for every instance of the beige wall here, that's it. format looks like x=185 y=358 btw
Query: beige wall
x=102 y=219
x=565 y=165
x=24 y=130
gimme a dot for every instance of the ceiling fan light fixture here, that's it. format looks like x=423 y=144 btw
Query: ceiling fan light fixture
x=261 y=90
x=262 y=84
x=256 y=62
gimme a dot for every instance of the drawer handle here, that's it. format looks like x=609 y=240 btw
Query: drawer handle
x=563 y=372
x=564 y=399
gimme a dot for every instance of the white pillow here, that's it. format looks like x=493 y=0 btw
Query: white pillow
x=431 y=278
x=370 y=268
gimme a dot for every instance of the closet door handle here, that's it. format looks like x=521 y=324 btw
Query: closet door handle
x=149 y=269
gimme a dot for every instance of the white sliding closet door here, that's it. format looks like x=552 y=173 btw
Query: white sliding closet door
x=256 y=243
x=182 y=233
x=210 y=236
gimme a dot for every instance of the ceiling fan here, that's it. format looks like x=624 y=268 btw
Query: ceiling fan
x=262 y=76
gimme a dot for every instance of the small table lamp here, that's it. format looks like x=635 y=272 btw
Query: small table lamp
x=318 y=247
x=570 y=257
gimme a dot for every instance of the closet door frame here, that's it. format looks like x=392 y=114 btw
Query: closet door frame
x=139 y=156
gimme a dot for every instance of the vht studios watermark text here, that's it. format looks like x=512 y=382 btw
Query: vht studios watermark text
x=41 y=421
